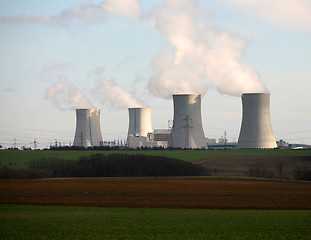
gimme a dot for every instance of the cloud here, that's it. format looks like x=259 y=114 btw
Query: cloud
x=289 y=15
x=124 y=8
x=55 y=67
x=203 y=54
x=98 y=71
x=9 y=90
x=65 y=96
x=81 y=12
x=109 y=92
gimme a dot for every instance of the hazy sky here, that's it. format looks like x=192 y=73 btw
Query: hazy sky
x=58 y=55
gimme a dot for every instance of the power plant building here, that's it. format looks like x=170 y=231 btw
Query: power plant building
x=159 y=138
x=88 y=133
x=187 y=130
x=139 y=126
x=256 y=129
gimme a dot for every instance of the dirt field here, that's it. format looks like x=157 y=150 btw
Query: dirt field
x=159 y=193
x=239 y=165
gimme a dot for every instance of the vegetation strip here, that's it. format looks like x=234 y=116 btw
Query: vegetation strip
x=47 y=222
x=22 y=158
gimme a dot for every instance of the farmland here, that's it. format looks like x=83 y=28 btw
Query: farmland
x=164 y=192
x=214 y=207
x=58 y=222
x=21 y=158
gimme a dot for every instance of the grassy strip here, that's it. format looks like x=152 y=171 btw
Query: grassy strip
x=47 y=222
x=21 y=158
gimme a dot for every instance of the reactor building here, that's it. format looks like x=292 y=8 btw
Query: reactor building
x=139 y=126
x=187 y=130
x=88 y=133
x=256 y=129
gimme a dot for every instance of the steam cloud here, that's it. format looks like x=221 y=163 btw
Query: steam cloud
x=290 y=15
x=118 y=97
x=203 y=55
x=202 y=51
x=65 y=96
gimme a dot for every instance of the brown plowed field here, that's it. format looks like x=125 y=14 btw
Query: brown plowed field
x=159 y=193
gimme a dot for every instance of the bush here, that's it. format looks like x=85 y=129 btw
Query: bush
x=262 y=173
x=302 y=173
x=119 y=165
x=23 y=173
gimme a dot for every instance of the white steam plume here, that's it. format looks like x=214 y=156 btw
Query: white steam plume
x=65 y=96
x=290 y=15
x=126 y=8
x=83 y=12
x=202 y=51
x=110 y=92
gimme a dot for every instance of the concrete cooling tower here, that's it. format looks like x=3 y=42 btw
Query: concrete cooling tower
x=256 y=129
x=139 y=122
x=187 y=131
x=88 y=132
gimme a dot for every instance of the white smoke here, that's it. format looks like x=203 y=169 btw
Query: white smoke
x=126 y=8
x=65 y=96
x=203 y=54
x=290 y=15
x=118 y=97
x=202 y=51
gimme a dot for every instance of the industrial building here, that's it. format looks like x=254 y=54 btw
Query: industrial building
x=160 y=137
x=256 y=129
x=221 y=144
x=187 y=130
x=139 y=126
x=88 y=133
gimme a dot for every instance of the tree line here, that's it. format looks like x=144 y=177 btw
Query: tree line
x=100 y=165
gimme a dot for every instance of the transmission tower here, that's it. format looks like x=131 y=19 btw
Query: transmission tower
x=188 y=126
x=35 y=145
x=225 y=140
x=170 y=124
x=81 y=139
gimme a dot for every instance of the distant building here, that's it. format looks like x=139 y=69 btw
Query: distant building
x=282 y=144
x=212 y=144
x=157 y=138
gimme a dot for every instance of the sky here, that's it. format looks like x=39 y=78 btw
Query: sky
x=56 y=56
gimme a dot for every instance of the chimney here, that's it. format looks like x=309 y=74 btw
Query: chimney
x=187 y=131
x=88 y=133
x=256 y=129
x=139 y=122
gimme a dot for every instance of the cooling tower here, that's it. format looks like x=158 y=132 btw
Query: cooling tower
x=256 y=129
x=187 y=131
x=88 y=132
x=139 y=122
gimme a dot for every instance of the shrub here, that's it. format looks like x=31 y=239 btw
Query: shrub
x=258 y=172
x=119 y=165
x=23 y=173
x=302 y=173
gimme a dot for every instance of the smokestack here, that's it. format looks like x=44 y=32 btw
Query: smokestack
x=88 y=132
x=139 y=122
x=256 y=129
x=187 y=131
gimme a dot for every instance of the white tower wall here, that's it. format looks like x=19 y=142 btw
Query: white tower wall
x=139 y=122
x=88 y=133
x=187 y=131
x=256 y=129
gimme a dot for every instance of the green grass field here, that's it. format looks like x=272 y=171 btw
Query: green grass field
x=47 y=222
x=20 y=158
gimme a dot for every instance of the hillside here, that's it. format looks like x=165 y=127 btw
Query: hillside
x=256 y=166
